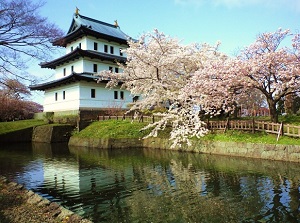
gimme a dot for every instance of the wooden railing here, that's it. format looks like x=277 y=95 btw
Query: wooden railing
x=141 y=118
x=252 y=125
x=247 y=125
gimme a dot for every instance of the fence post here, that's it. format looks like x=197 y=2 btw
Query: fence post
x=253 y=125
x=208 y=127
x=152 y=118
x=282 y=130
x=227 y=125
x=124 y=117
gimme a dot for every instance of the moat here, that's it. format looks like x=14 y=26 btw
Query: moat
x=148 y=185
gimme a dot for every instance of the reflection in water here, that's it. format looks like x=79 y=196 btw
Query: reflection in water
x=143 y=185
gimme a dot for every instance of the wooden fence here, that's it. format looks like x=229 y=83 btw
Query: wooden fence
x=247 y=125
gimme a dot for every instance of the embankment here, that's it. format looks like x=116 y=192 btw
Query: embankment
x=18 y=204
x=289 y=153
x=43 y=133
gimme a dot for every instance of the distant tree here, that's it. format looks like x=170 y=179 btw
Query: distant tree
x=271 y=68
x=13 y=88
x=24 y=35
x=13 y=103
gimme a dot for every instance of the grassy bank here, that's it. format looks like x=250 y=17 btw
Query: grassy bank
x=6 y=127
x=113 y=129
x=126 y=129
x=257 y=137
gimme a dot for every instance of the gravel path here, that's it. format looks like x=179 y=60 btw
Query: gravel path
x=20 y=205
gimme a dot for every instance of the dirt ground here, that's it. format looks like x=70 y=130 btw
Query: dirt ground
x=20 y=205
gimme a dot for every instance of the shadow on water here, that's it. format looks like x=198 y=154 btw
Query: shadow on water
x=146 y=185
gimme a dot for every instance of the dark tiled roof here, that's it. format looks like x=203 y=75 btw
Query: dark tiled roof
x=82 y=26
x=74 y=77
x=78 y=53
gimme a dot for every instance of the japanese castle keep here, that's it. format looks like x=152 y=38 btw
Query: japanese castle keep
x=91 y=46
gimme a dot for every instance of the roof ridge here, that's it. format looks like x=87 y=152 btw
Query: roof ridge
x=97 y=21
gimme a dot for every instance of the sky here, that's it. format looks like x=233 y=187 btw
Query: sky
x=235 y=23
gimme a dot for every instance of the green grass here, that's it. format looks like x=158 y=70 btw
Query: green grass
x=6 y=127
x=257 y=137
x=113 y=129
x=126 y=129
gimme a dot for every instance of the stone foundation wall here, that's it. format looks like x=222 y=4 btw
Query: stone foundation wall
x=52 y=133
x=23 y=135
x=262 y=151
x=43 y=133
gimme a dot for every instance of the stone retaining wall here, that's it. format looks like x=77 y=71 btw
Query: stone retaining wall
x=43 y=133
x=23 y=135
x=52 y=133
x=263 y=151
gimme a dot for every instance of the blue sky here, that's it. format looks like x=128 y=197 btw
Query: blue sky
x=235 y=23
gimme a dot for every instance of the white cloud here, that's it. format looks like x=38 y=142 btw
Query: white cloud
x=291 y=4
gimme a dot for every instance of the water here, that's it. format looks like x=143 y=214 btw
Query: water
x=143 y=185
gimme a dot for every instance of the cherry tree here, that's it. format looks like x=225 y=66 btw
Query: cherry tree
x=158 y=68
x=271 y=68
x=251 y=100
x=214 y=86
x=13 y=103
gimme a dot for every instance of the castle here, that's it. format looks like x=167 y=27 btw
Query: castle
x=91 y=46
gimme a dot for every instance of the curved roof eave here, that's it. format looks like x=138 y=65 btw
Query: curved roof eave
x=74 y=77
x=78 y=53
x=84 y=31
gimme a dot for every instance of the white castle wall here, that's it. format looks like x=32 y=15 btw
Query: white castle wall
x=78 y=95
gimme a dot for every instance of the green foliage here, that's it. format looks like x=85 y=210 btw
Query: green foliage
x=114 y=129
x=290 y=119
x=257 y=137
x=49 y=117
x=6 y=127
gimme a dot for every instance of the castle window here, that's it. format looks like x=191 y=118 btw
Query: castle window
x=56 y=96
x=79 y=45
x=111 y=49
x=116 y=70
x=93 y=93
x=72 y=69
x=105 y=49
x=95 y=46
x=64 y=95
x=110 y=69
x=135 y=98
x=115 y=94
x=95 y=68
x=122 y=95
x=64 y=71
x=71 y=48
x=121 y=53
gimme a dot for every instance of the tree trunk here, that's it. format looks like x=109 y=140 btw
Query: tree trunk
x=273 y=112
x=289 y=104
